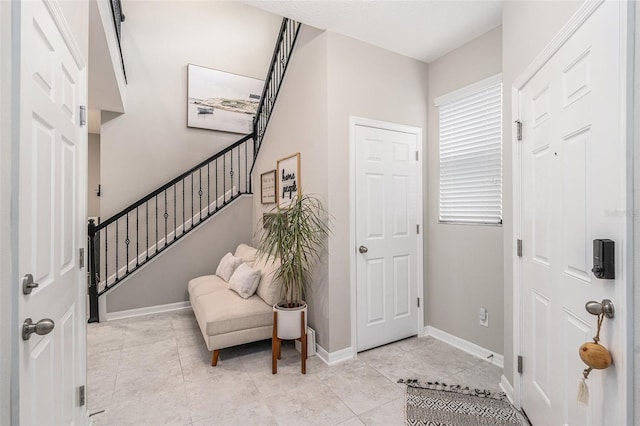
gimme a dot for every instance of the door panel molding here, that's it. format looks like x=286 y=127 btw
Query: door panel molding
x=418 y=132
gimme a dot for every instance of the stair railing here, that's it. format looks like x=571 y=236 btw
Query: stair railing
x=128 y=240
x=279 y=62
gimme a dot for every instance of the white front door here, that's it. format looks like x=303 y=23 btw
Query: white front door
x=573 y=173
x=52 y=209
x=386 y=234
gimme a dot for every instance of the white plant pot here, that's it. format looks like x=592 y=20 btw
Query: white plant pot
x=289 y=321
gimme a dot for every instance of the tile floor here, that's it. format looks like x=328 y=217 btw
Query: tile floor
x=155 y=370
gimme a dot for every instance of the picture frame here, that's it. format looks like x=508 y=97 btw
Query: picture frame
x=223 y=101
x=268 y=187
x=288 y=179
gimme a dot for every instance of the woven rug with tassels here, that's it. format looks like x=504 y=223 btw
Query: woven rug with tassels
x=439 y=404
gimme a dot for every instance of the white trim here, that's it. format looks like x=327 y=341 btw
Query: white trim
x=149 y=310
x=506 y=388
x=333 y=358
x=465 y=345
x=471 y=89
x=359 y=121
x=516 y=190
x=65 y=31
x=576 y=21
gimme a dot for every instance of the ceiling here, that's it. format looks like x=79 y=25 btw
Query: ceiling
x=420 y=29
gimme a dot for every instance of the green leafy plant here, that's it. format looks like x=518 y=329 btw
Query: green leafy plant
x=295 y=235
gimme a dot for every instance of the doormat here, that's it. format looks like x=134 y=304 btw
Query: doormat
x=439 y=404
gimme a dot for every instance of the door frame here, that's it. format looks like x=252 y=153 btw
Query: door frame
x=625 y=125
x=359 y=121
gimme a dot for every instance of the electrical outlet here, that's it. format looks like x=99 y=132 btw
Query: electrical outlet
x=484 y=317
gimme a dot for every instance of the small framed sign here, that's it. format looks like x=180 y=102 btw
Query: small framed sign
x=268 y=187
x=288 y=179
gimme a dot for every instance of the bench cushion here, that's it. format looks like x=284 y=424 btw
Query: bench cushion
x=247 y=253
x=268 y=289
x=205 y=285
x=225 y=311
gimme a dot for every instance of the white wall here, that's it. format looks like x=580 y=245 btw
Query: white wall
x=93 y=167
x=636 y=223
x=455 y=294
x=151 y=144
x=527 y=27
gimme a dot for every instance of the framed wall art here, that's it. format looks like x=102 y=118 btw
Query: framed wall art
x=268 y=187
x=219 y=100
x=288 y=179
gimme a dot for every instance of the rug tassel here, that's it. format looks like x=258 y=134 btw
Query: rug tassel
x=583 y=388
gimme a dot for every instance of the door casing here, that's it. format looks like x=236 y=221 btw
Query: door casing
x=626 y=127
x=359 y=121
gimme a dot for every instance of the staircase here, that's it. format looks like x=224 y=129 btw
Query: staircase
x=127 y=241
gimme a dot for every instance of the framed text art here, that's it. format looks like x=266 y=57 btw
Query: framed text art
x=219 y=100
x=288 y=179
x=268 y=187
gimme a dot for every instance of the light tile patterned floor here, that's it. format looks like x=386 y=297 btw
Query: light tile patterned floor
x=155 y=370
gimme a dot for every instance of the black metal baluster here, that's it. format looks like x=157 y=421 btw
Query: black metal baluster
x=208 y=190
x=238 y=171
x=175 y=214
x=246 y=167
x=146 y=205
x=137 y=237
x=126 y=244
x=116 y=279
x=224 y=180
x=216 y=184
x=106 y=258
x=184 y=221
x=166 y=216
x=156 y=243
x=231 y=175
x=200 y=193
x=191 y=200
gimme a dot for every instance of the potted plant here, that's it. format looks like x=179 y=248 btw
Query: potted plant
x=295 y=235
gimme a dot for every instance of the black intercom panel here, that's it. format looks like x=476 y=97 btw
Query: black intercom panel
x=604 y=259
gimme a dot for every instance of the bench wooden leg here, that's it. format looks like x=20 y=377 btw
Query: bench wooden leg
x=214 y=358
x=275 y=347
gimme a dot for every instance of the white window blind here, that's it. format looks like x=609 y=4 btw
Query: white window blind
x=471 y=154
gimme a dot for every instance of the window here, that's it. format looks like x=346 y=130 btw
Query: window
x=471 y=153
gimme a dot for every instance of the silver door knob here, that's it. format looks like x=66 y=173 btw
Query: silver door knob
x=363 y=249
x=42 y=327
x=598 y=308
x=27 y=284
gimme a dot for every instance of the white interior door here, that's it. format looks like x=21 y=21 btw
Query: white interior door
x=573 y=174
x=52 y=211
x=386 y=235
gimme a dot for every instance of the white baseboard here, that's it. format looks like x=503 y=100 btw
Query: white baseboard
x=147 y=311
x=506 y=388
x=332 y=358
x=465 y=345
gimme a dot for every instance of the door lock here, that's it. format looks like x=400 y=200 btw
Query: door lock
x=42 y=327
x=605 y=308
x=27 y=284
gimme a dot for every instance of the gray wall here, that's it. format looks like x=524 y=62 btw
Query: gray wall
x=151 y=144
x=93 y=167
x=164 y=280
x=332 y=77
x=636 y=225
x=299 y=124
x=455 y=294
x=527 y=27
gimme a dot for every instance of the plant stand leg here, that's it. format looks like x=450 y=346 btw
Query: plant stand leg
x=303 y=343
x=274 y=344
x=214 y=358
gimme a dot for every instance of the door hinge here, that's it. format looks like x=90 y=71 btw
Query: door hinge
x=519 y=130
x=418 y=302
x=83 y=115
x=519 y=248
x=519 y=364
x=81 y=258
x=417 y=229
x=417 y=156
x=81 y=397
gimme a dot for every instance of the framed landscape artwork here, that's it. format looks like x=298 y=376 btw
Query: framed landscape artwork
x=219 y=100
x=288 y=179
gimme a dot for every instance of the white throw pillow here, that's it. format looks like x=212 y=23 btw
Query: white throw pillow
x=227 y=265
x=245 y=280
